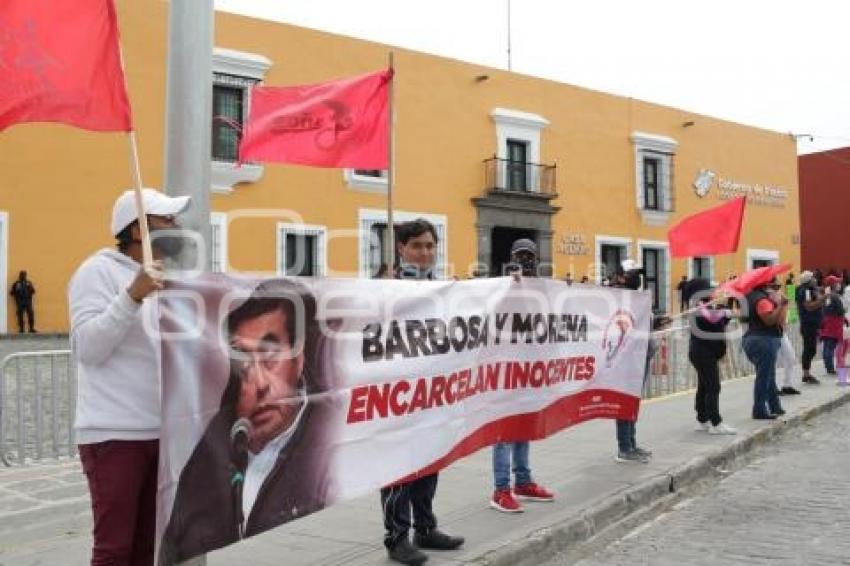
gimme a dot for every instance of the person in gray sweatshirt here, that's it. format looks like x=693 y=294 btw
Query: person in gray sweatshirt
x=118 y=395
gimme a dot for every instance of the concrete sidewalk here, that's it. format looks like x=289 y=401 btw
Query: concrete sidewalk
x=44 y=509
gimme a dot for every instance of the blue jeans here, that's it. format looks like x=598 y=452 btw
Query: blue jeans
x=627 y=430
x=829 y=345
x=626 y=435
x=502 y=464
x=762 y=352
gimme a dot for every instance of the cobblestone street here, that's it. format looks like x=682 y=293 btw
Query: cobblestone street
x=789 y=506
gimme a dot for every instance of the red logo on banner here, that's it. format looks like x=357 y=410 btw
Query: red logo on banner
x=619 y=326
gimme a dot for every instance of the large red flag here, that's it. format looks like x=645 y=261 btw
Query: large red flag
x=336 y=124
x=714 y=231
x=60 y=62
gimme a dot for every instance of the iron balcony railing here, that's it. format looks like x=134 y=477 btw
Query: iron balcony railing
x=505 y=175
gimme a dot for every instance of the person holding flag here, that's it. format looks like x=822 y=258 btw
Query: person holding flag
x=766 y=312
x=118 y=368
x=707 y=347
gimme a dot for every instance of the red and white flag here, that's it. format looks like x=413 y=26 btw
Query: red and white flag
x=713 y=231
x=60 y=62
x=336 y=124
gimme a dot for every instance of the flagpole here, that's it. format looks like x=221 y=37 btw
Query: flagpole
x=147 y=252
x=389 y=255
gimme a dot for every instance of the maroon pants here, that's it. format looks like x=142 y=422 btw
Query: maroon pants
x=122 y=482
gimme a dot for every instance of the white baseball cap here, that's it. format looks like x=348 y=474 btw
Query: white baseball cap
x=156 y=204
x=629 y=265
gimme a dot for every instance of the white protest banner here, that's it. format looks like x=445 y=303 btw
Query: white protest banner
x=281 y=396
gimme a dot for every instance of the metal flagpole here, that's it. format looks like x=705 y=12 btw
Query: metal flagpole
x=188 y=125
x=389 y=247
x=189 y=119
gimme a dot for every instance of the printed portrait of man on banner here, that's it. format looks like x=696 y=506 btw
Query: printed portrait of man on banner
x=263 y=458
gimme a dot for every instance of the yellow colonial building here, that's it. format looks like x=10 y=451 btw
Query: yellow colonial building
x=485 y=154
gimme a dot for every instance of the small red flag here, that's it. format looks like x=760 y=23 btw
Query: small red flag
x=714 y=231
x=753 y=278
x=60 y=62
x=335 y=124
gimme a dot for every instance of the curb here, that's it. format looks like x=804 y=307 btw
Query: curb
x=547 y=542
x=36 y=336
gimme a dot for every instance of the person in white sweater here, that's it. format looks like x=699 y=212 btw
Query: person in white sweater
x=118 y=396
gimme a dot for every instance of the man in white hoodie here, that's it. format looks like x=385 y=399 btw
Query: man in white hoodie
x=118 y=397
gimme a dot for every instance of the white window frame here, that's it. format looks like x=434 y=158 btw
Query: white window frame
x=4 y=268
x=661 y=148
x=368 y=217
x=756 y=253
x=603 y=239
x=664 y=247
x=250 y=66
x=711 y=268
x=522 y=127
x=218 y=221
x=366 y=183
x=321 y=233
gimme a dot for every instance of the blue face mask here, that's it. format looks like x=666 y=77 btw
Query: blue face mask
x=412 y=271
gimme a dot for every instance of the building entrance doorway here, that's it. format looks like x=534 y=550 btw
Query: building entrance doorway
x=501 y=240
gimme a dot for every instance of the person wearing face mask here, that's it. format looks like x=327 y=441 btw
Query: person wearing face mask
x=832 y=327
x=417 y=248
x=118 y=372
x=767 y=309
x=523 y=263
x=706 y=348
x=628 y=276
x=809 y=302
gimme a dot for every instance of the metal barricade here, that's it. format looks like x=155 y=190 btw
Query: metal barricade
x=37 y=404
x=670 y=371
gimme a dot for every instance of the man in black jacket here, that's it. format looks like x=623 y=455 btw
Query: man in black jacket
x=263 y=459
x=417 y=249
x=810 y=310
x=22 y=291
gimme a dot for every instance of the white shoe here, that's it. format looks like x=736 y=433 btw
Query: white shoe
x=702 y=427
x=722 y=428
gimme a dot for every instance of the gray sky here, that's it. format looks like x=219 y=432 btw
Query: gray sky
x=782 y=65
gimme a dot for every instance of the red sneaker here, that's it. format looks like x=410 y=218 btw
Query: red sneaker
x=533 y=492
x=503 y=500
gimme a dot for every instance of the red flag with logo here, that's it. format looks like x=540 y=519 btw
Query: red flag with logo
x=60 y=62
x=714 y=231
x=336 y=124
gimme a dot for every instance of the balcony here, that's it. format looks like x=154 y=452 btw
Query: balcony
x=504 y=176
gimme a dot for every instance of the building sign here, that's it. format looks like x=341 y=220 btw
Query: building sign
x=764 y=195
x=573 y=244
x=756 y=194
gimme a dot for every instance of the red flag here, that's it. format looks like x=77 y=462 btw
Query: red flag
x=336 y=124
x=60 y=62
x=753 y=278
x=714 y=231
